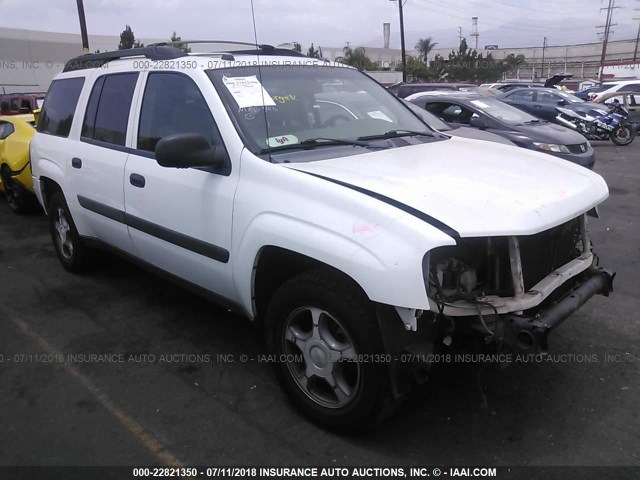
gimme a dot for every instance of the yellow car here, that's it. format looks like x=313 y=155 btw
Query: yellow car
x=15 y=170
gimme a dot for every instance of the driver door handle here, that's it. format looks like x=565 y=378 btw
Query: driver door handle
x=137 y=180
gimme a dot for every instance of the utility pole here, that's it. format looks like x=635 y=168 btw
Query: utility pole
x=607 y=31
x=404 y=53
x=459 y=36
x=544 y=46
x=635 y=51
x=83 y=27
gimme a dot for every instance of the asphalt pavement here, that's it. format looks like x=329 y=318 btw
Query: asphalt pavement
x=119 y=367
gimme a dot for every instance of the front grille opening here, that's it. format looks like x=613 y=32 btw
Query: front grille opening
x=478 y=267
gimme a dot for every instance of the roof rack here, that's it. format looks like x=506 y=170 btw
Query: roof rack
x=96 y=60
x=259 y=48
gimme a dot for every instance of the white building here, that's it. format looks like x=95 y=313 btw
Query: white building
x=29 y=59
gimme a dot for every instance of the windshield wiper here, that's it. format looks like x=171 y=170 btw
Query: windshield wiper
x=529 y=122
x=396 y=134
x=311 y=143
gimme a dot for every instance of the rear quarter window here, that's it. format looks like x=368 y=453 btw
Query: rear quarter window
x=59 y=107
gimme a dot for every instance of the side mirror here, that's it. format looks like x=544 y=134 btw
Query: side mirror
x=184 y=150
x=478 y=122
x=562 y=102
x=36 y=115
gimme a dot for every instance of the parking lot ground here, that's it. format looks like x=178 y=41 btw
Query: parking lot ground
x=184 y=382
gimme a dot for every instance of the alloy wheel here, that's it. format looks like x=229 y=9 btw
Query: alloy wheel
x=321 y=357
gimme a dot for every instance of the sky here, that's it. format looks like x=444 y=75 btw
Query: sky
x=332 y=23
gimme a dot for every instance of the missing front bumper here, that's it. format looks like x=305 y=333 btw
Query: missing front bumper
x=528 y=334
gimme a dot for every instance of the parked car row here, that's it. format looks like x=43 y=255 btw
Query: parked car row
x=520 y=128
x=546 y=103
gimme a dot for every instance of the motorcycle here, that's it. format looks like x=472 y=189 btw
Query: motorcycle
x=609 y=124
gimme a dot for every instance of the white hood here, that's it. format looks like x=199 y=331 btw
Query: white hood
x=476 y=188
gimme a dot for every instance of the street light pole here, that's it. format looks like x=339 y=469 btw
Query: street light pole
x=83 y=27
x=402 y=45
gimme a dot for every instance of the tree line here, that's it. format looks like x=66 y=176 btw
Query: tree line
x=128 y=40
x=462 y=65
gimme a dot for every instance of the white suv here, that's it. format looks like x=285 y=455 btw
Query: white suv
x=361 y=240
x=620 y=86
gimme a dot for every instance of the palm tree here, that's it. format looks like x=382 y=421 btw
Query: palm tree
x=424 y=46
x=512 y=61
x=355 y=57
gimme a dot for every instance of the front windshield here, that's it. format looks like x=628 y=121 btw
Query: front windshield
x=280 y=106
x=503 y=112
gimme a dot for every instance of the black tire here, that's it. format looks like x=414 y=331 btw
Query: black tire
x=72 y=252
x=19 y=199
x=623 y=135
x=346 y=318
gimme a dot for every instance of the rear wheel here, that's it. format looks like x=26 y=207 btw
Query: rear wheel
x=73 y=254
x=623 y=135
x=325 y=342
x=19 y=199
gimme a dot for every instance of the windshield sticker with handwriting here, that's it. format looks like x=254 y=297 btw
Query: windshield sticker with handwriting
x=247 y=91
x=284 y=98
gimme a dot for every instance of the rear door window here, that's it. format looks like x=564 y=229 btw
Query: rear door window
x=59 y=106
x=522 y=96
x=547 y=97
x=107 y=114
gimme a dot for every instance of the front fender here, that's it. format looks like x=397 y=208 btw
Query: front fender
x=388 y=269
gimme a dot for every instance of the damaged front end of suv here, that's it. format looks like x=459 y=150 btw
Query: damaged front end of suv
x=514 y=290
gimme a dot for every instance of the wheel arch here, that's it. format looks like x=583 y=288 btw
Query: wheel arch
x=48 y=187
x=275 y=265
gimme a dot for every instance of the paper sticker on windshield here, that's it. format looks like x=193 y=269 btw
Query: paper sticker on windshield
x=480 y=104
x=248 y=91
x=281 y=140
x=379 y=115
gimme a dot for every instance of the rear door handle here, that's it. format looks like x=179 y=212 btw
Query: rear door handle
x=76 y=162
x=137 y=180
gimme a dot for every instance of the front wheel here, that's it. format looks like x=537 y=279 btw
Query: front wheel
x=325 y=343
x=623 y=135
x=73 y=254
x=19 y=199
